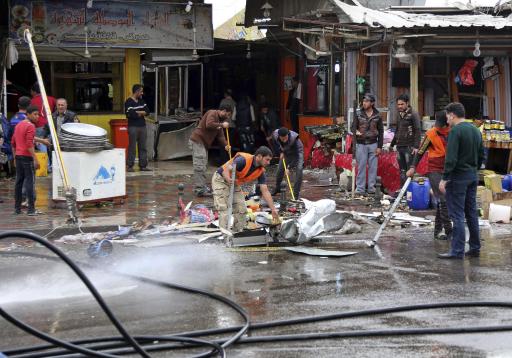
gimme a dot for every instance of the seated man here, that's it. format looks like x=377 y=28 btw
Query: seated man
x=248 y=168
x=290 y=148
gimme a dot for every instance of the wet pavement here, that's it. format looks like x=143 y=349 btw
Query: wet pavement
x=270 y=285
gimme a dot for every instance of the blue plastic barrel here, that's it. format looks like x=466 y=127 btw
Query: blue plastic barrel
x=506 y=183
x=418 y=195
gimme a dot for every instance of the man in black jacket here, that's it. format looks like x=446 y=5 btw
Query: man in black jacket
x=291 y=149
x=62 y=115
x=136 y=109
x=407 y=135
x=369 y=135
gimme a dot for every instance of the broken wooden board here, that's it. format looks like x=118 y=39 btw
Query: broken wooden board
x=318 y=252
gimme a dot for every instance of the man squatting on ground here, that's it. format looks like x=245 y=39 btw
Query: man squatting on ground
x=289 y=147
x=209 y=129
x=248 y=168
x=434 y=144
x=407 y=136
x=464 y=156
x=369 y=135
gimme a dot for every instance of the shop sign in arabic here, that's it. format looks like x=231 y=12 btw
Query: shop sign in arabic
x=114 y=24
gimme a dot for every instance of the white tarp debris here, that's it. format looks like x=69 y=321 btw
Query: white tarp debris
x=310 y=224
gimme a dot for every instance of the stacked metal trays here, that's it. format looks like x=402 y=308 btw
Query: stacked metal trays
x=82 y=137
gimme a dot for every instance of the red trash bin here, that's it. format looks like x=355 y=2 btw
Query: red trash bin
x=119 y=133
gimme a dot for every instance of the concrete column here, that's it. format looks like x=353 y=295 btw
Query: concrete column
x=131 y=70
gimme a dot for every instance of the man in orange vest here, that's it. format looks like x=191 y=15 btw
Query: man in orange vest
x=435 y=143
x=248 y=168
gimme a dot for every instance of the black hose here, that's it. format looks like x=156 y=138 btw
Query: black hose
x=90 y=287
x=127 y=337
x=119 y=345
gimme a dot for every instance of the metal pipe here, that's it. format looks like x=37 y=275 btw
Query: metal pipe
x=166 y=84
x=4 y=90
x=157 y=90
x=202 y=87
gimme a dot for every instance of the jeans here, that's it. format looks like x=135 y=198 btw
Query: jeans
x=404 y=156
x=291 y=162
x=442 y=216
x=461 y=202
x=137 y=137
x=365 y=155
x=25 y=179
x=40 y=133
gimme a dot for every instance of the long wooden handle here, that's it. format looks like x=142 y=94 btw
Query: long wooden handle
x=229 y=144
x=288 y=179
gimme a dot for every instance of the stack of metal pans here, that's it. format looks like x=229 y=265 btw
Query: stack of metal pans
x=81 y=137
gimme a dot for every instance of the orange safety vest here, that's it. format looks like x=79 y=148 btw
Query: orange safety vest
x=438 y=139
x=241 y=176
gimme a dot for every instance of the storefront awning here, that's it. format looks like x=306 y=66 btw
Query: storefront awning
x=390 y=19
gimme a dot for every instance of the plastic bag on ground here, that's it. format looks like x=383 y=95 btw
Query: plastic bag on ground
x=310 y=224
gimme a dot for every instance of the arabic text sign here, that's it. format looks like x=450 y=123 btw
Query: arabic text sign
x=115 y=24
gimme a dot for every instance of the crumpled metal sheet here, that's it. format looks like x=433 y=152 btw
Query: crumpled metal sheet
x=318 y=252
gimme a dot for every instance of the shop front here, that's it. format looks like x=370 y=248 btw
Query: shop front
x=90 y=52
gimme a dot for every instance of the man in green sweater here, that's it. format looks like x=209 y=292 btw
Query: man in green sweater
x=464 y=156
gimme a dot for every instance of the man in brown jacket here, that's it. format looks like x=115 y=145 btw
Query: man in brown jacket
x=210 y=128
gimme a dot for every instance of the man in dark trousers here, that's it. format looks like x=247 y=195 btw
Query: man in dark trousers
x=464 y=156
x=290 y=148
x=434 y=145
x=369 y=134
x=407 y=135
x=269 y=121
x=136 y=109
x=293 y=104
x=26 y=160
x=210 y=128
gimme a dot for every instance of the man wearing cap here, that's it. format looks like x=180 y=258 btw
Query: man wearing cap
x=369 y=134
x=210 y=129
x=248 y=168
x=290 y=148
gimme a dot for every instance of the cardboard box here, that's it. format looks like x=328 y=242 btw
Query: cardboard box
x=493 y=182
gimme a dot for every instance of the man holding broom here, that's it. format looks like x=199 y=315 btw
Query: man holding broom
x=248 y=168
x=209 y=129
x=291 y=155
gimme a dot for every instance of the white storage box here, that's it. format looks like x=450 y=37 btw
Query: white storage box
x=95 y=176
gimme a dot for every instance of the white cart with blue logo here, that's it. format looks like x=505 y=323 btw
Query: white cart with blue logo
x=99 y=176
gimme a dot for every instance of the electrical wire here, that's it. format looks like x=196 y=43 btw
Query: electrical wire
x=116 y=345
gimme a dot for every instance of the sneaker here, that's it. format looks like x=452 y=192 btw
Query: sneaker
x=203 y=193
x=145 y=169
x=130 y=169
x=17 y=212
x=440 y=236
x=34 y=213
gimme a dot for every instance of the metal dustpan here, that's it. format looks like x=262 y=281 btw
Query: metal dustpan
x=256 y=237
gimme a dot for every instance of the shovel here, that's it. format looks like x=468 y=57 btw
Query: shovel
x=390 y=213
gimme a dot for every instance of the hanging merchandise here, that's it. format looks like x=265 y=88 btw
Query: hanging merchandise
x=465 y=74
x=360 y=84
x=489 y=68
